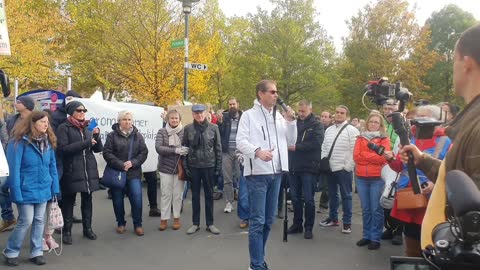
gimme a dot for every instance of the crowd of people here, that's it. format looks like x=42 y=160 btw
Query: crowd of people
x=240 y=155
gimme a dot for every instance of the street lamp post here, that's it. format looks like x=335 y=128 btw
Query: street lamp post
x=187 y=9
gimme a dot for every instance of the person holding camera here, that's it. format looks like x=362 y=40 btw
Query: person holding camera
x=412 y=216
x=464 y=131
x=369 y=163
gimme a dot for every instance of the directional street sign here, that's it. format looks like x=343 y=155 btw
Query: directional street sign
x=198 y=66
x=178 y=43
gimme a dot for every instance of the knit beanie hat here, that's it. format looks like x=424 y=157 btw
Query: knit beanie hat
x=71 y=106
x=28 y=102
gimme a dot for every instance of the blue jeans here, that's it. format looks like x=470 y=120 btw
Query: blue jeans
x=133 y=188
x=28 y=214
x=243 y=206
x=303 y=183
x=370 y=191
x=263 y=198
x=343 y=180
x=5 y=202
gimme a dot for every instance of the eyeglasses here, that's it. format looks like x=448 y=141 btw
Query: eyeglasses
x=339 y=112
x=273 y=92
x=374 y=122
x=80 y=110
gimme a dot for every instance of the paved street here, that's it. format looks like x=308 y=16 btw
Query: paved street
x=330 y=249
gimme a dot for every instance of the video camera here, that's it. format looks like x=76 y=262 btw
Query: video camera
x=380 y=91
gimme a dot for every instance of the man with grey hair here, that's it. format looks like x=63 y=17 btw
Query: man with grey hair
x=304 y=158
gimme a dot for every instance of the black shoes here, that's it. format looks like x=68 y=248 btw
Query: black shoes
x=11 y=261
x=397 y=240
x=217 y=195
x=387 y=235
x=154 y=212
x=67 y=238
x=295 y=229
x=88 y=233
x=374 y=245
x=308 y=234
x=39 y=260
x=363 y=242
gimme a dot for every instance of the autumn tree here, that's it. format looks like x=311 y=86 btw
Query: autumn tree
x=36 y=41
x=289 y=46
x=446 y=27
x=384 y=40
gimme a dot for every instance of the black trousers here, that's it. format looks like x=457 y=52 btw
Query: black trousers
x=202 y=176
x=392 y=224
x=151 y=178
x=68 y=201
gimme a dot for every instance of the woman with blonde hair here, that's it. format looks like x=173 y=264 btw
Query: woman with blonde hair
x=170 y=150
x=33 y=181
x=369 y=164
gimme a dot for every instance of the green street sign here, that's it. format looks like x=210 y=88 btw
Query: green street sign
x=178 y=43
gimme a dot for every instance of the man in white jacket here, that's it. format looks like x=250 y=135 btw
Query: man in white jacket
x=263 y=137
x=341 y=164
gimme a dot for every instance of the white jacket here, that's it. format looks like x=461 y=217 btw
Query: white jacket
x=253 y=134
x=342 y=155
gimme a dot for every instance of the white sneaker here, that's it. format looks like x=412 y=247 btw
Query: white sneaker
x=228 y=208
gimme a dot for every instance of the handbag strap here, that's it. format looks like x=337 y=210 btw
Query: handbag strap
x=334 y=141
x=130 y=148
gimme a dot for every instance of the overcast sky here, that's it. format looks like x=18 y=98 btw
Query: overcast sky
x=333 y=13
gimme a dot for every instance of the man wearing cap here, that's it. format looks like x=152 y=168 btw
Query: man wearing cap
x=24 y=106
x=263 y=137
x=203 y=163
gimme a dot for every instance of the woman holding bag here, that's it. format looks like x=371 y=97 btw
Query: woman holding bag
x=120 y=156
x=33 y=181
x=368 y=167
x=170 y=151
x=437 y=146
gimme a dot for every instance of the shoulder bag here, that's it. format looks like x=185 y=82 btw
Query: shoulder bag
x=325 y=162
x=113 y=178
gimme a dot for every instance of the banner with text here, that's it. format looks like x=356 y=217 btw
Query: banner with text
x=4 y=40
x=147 y=119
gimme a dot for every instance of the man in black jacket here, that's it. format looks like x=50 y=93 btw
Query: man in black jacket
x=203 y=162
x=228 y=125
x=304 y=161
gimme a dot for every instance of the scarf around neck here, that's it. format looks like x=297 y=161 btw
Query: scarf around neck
x=42 y=142
x=173 y=138
x=79 y=124
x=369 y=135
x=199 y=138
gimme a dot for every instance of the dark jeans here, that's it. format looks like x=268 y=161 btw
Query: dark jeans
x=303 y=184
x=151 y=179
x=134 y=190
x=263 y=199
x=242 y=206
x=68 y=202
x=340 y=180
x=202 y=176
x=5 y=202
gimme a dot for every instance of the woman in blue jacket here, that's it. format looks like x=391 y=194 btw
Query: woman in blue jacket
x=33 y=181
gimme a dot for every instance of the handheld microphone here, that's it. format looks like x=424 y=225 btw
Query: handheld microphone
x=281 y=103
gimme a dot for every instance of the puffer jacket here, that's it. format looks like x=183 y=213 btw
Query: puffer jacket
x=368 y=163
x=116 y=147
x=33 y=175
x=80 y=172
x=208 y=156
x=167 y=159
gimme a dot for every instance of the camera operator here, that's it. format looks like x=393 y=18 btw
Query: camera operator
x=412 y=217
x=464 y=131
x=393 y=227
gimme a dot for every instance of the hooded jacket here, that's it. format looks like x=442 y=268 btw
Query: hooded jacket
x=33 y=175
x=253 y=134
x=115 y=151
